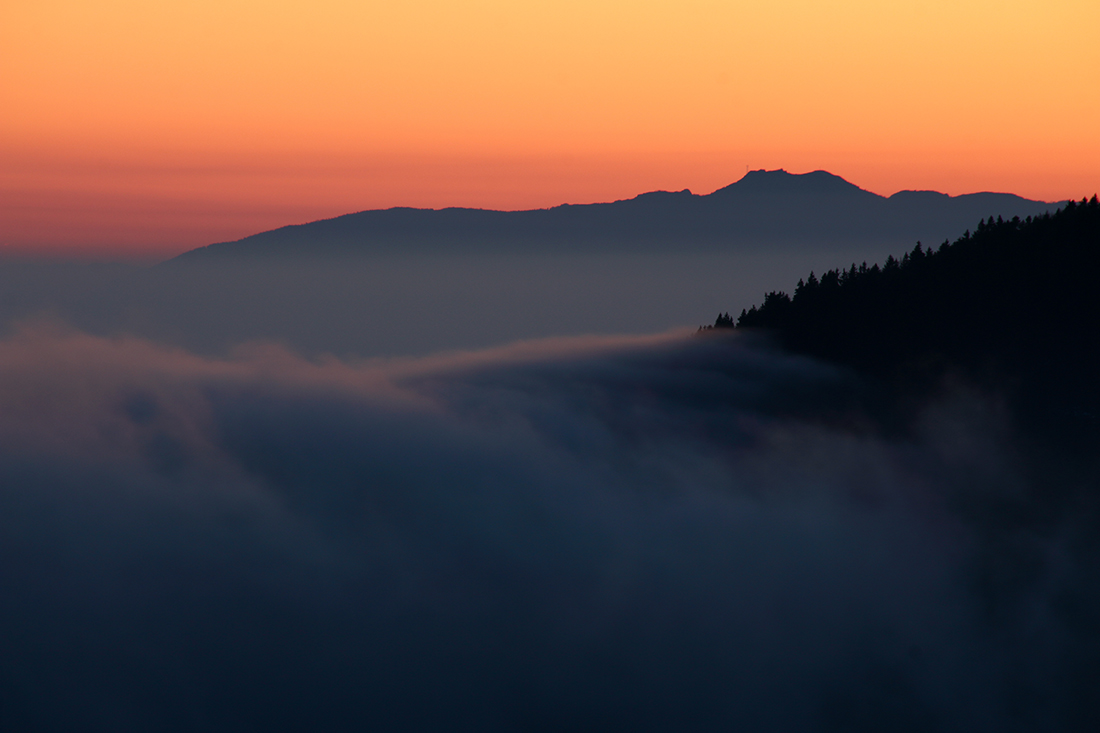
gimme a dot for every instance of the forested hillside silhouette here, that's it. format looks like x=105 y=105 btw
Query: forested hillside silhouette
x=1013 y=304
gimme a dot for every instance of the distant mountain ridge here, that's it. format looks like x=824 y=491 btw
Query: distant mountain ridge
x=762 y=208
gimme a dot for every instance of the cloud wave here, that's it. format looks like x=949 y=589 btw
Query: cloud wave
x=647 y=533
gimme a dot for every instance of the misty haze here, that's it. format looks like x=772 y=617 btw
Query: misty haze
x=413 y=282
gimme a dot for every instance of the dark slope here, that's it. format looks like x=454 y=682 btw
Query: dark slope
x=1012 y=307
x=772 y=207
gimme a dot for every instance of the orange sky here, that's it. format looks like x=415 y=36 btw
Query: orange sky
x=131 y=128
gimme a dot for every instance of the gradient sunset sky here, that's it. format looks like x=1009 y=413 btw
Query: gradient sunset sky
x=147 y=128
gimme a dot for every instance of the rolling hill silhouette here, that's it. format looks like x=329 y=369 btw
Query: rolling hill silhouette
x=764 y=207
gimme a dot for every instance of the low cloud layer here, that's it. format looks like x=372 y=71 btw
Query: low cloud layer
x=655 y=533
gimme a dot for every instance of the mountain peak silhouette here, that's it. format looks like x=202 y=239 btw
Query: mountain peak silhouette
x=781 y=183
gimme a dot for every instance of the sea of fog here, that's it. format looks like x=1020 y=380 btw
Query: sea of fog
x=646 y=533
x=586 y=532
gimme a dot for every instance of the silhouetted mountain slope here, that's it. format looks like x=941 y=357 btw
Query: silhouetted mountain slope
x=1012 y=306
x=764 y=207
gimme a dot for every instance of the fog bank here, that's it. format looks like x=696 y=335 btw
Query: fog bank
x=650 y=533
